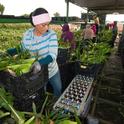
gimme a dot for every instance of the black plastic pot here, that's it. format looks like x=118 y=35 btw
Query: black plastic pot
x=25 y=103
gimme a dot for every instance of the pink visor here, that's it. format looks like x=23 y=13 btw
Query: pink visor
x=42 y=18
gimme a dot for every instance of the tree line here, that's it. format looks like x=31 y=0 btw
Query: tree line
x=2 y=8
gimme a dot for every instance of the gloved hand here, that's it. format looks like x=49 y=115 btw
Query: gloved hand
x=15 y=50
x=35 y=68
x=12 y=51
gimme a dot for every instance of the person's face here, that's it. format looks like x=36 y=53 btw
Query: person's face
x=42 y=28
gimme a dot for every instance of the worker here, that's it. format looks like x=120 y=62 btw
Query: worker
x=42 y=44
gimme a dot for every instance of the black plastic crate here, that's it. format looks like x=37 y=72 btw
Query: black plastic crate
x=90 y=70
x=25 y=84
x=25 y=103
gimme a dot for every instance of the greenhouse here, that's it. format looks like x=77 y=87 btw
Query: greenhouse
x=90 y=58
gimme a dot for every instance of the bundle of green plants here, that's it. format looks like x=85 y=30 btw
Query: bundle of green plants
x=19 y=64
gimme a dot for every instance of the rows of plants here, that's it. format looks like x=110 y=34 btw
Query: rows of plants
x=11 y=35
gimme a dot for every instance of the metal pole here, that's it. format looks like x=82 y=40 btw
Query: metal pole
x=67 y=12
x=87 y=18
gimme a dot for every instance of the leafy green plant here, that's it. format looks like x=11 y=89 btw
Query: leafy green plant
x=7 y=103
x=5 y=95
x=105 y=36
x=45 y=116
x=96 y=54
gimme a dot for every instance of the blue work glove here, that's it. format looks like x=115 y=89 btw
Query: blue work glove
x=47 y=60
x=12 y=51
x=35 y=68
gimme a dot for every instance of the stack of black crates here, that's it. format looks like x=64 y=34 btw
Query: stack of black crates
x=26 y=89
x=70 y=69
x=63 y=55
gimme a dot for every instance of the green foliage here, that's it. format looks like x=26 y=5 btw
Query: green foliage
x=5 y=95
x=91 y=53
x=11 y=35
x=63 y=44
x=75 y=54
x=7 y=103
x=78 y=36
x=4 y=114
x=45 y=116
x=105 y=36
x=96 y=54
x=68 y=122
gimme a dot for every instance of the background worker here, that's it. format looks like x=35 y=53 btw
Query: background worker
x=97 y=23
x=68 y=36
x=114 y=33
x=93 y=27
x=88 y=33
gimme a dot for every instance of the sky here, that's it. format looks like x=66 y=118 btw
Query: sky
x=20 y=7
x=115 y=17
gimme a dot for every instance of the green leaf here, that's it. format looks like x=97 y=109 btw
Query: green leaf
x=4 y=114
x=31 y=120
x=68 y=122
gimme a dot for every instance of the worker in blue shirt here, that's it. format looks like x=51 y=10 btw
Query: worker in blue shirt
x=42 y=44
